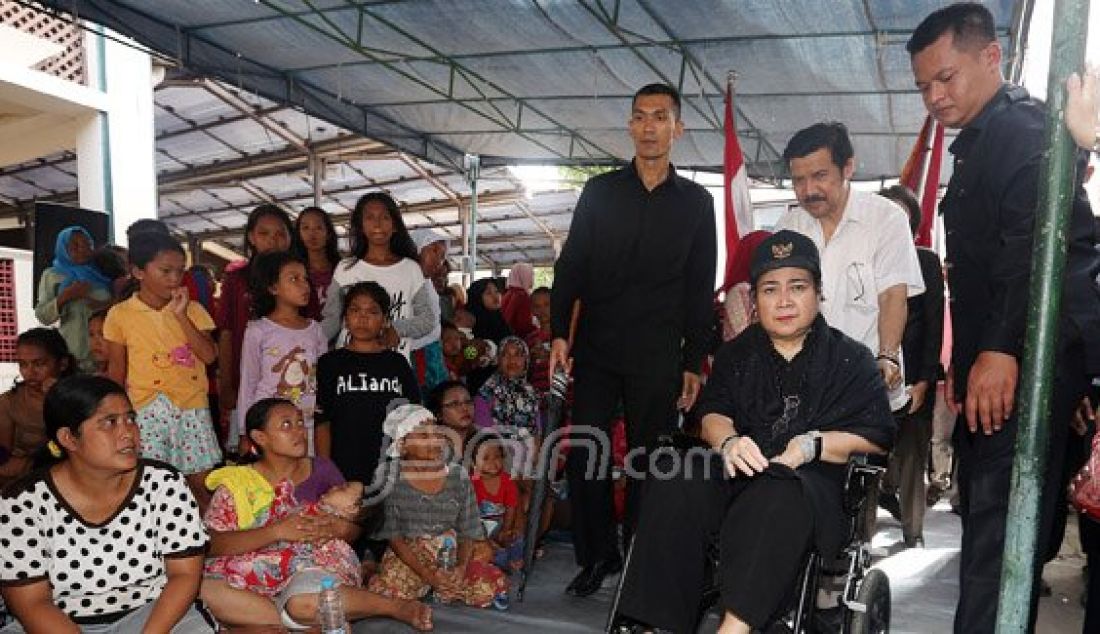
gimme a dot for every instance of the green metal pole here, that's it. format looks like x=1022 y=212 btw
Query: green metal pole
x=1037 y=371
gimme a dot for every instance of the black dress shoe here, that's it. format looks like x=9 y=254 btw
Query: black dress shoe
x=580 y=579
x=889 y=501
x=627 y=625
x=587 y=585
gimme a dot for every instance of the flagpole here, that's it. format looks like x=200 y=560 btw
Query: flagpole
x=926 y=164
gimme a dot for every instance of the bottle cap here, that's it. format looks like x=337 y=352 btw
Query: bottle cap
x=328 y=583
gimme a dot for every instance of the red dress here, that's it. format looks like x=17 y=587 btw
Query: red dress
x=266 y=571
x=515 y=306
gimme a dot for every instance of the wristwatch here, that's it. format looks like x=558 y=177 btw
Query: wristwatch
x=810 y=445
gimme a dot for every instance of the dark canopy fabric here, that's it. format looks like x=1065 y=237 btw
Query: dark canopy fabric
x=550 y=81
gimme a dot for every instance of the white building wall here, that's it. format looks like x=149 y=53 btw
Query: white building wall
x=115 y=164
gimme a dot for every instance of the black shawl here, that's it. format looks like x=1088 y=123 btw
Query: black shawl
x=832 y=384
x=834 y=381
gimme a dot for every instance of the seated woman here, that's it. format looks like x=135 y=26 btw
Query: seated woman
x=277 y=531
x=453 y=408
x=43 y=358
x=431 y=520
x=788 y=401
x=101 y=541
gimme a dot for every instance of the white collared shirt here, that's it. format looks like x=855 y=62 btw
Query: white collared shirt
x=870 y=251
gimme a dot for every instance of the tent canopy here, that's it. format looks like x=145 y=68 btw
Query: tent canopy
x=550 y=81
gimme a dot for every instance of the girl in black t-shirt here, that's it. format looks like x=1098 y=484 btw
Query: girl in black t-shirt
x=358 y=383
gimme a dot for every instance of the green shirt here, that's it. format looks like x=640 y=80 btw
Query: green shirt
x=72 y=318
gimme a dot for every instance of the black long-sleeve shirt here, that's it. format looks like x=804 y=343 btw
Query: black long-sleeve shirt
x=923 y=338
x=989 y=215
x=642 y=265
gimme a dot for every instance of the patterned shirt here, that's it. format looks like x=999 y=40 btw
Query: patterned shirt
x=96 y=570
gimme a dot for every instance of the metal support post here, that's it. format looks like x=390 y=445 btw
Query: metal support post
x=1037 y=370
x=472 y=163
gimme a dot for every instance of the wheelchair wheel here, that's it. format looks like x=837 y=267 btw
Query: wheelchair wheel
x=874 y=592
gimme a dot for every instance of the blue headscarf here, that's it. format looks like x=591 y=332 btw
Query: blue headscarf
x=73 y=272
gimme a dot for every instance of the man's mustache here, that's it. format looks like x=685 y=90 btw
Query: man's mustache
x=814 y=199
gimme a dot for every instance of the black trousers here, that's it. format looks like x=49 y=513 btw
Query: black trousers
x=985 y=480
x=762 y=526
x=1090 y=543
x=649 y=404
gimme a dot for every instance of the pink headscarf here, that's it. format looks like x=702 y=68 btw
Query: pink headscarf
x=522 y=276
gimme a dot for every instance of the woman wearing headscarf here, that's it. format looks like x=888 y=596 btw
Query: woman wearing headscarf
x=516 y=303
x=790 y=399
x=71 y=290
x=427 y=353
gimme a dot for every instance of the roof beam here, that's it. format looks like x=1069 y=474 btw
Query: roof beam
x=293 y=198
x=435 y=181
x=614 y=29
x=895 y=36
x=488 y=198
x=66 y=157
x=259 y=193
x=270 y=163
x=626 y=97
x=243 y=107
x=690 y=57
x=216 y=123
x=526 y=209
x=467 y=73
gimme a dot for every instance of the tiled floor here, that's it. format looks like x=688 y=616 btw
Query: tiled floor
x=924 y=585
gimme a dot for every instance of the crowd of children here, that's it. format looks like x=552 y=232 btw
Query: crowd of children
x=294 y=392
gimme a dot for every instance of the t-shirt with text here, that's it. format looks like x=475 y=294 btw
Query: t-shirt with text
x=354 y=391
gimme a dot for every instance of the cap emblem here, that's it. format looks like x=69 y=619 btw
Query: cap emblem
x=781 y=251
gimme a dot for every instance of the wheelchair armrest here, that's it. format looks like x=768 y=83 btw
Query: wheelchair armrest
x=863 y=478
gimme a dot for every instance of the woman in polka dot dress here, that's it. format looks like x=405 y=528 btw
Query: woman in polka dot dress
x=102 y=540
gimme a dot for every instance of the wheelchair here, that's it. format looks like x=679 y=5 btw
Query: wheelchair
x=862 y=607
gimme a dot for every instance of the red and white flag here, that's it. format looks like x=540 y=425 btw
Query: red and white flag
x=921 y=174
x=738 y=208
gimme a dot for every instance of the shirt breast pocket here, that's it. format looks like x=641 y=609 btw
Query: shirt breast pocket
x=859 y=288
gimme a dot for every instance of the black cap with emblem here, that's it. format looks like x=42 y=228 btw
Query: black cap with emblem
x=785 y=249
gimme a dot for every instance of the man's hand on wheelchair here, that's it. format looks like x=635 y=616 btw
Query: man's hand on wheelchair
x=742 y=454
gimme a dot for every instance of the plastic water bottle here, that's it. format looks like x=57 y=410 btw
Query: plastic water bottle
x=330 y=609
x=447 y=558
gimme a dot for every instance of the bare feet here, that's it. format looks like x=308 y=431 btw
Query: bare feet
x=414 y=613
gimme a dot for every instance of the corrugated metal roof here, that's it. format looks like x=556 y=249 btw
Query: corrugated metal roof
x=548 y=81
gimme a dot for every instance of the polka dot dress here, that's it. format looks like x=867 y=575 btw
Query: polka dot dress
x=98 y=570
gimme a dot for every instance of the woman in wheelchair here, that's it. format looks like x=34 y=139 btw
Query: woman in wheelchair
x=787 y=403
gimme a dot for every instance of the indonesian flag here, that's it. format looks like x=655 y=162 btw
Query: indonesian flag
x=922 y=175
x=738 y=208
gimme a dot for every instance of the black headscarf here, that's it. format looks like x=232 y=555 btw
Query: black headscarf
x=490 y=323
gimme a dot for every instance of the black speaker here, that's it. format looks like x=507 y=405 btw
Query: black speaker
x=50 y=220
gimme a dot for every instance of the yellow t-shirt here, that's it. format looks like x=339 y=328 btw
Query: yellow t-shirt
x=158 y=357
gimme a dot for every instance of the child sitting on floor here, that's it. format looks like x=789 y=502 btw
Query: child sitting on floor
x=497 y=502
x=431 y=521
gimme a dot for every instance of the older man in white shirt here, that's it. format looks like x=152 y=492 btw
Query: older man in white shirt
x=869 y=264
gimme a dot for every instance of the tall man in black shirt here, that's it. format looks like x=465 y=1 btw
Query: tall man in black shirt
x=989 y=214
x=640 y=260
